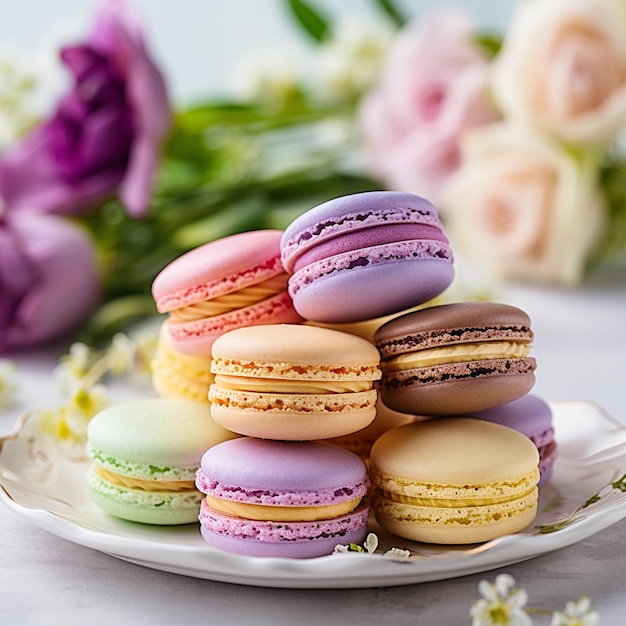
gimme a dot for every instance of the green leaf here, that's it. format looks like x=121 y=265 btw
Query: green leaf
x=392 y=12
x=490 y=43
x=311 y=21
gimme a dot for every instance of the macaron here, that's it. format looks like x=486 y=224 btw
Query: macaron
x=146 y=453
x=293 y=382
x=361 y=441
x=282 y=498
x=454 y=481
x=366 y=255
x=225 y=284
x=179 y=375
x=455 y=358
x=531 y=416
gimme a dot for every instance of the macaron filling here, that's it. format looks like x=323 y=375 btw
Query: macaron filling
x=456 y=354
x=266 y=512
x=247 y=296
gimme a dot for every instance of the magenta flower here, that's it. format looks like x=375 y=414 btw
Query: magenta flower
x=49 y=281
x=106 y=133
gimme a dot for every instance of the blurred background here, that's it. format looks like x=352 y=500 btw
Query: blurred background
x=132 y=132
x=201 y=45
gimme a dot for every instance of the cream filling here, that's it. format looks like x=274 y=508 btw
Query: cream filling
x=277 y=385
x=232 y=301
x=268 y=513
x=454 y=503
x=144 y=485
x=457 y=354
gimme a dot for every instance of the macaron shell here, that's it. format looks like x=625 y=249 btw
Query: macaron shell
x=156 y=431
x=296 y=417
x=217 y=268
x=457 y=388
x=310 y=349
x=449 y=324
x=254 y=471
x=367 y=291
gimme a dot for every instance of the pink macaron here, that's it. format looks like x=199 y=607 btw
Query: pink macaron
x=366 y=255
x=225 y=284
x=282 y=498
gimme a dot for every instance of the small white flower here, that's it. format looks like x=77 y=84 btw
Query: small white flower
x=576 y=614
x=73 y=366
x=501 y=604
x=339 y=549
x=398 y=553
x=8 y=384
x=371 y=543
x=121 y=354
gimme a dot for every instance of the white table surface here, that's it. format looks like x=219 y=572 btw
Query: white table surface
x=580 y=346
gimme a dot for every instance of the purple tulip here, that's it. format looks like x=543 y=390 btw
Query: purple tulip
x=49 y=280
x=106 y=133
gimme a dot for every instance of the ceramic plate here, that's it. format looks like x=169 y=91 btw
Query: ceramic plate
x=587 y=493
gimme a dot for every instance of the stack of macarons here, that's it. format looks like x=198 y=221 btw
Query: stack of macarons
x=281 y=490
x=320 y=349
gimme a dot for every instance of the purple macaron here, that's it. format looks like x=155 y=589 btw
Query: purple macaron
x=365 y=256
x=282 y=498
x=532 y=417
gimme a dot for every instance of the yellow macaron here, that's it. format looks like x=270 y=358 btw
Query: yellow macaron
x=178 y=375
x=454 y=481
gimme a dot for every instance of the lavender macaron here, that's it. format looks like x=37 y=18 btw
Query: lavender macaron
x=532 y=417
x=282 y=498
x=366 y=255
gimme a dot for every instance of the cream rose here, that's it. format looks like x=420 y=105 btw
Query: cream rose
x=523 y=207
x=563 y=68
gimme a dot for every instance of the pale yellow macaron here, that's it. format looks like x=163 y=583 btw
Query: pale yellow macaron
x=454 y=481
x=178 y=375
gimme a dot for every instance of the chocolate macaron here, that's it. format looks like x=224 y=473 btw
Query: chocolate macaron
x=455 y=358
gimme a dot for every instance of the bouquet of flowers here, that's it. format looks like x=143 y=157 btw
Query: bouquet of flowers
x=514 y=137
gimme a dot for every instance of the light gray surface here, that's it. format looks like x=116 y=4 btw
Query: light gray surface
x=580 y=346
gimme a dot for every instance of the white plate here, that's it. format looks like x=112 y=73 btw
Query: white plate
x=586 y=494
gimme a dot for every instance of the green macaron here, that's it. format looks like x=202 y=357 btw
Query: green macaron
x=145 y=456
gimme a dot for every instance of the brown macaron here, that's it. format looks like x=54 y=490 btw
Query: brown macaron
x=455 y=358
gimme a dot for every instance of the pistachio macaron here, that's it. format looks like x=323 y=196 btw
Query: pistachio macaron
x=146 y=453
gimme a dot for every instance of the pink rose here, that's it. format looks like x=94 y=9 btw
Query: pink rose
x=432 y=89
x=49 y=280
x=106 y=133
x=562 y=68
